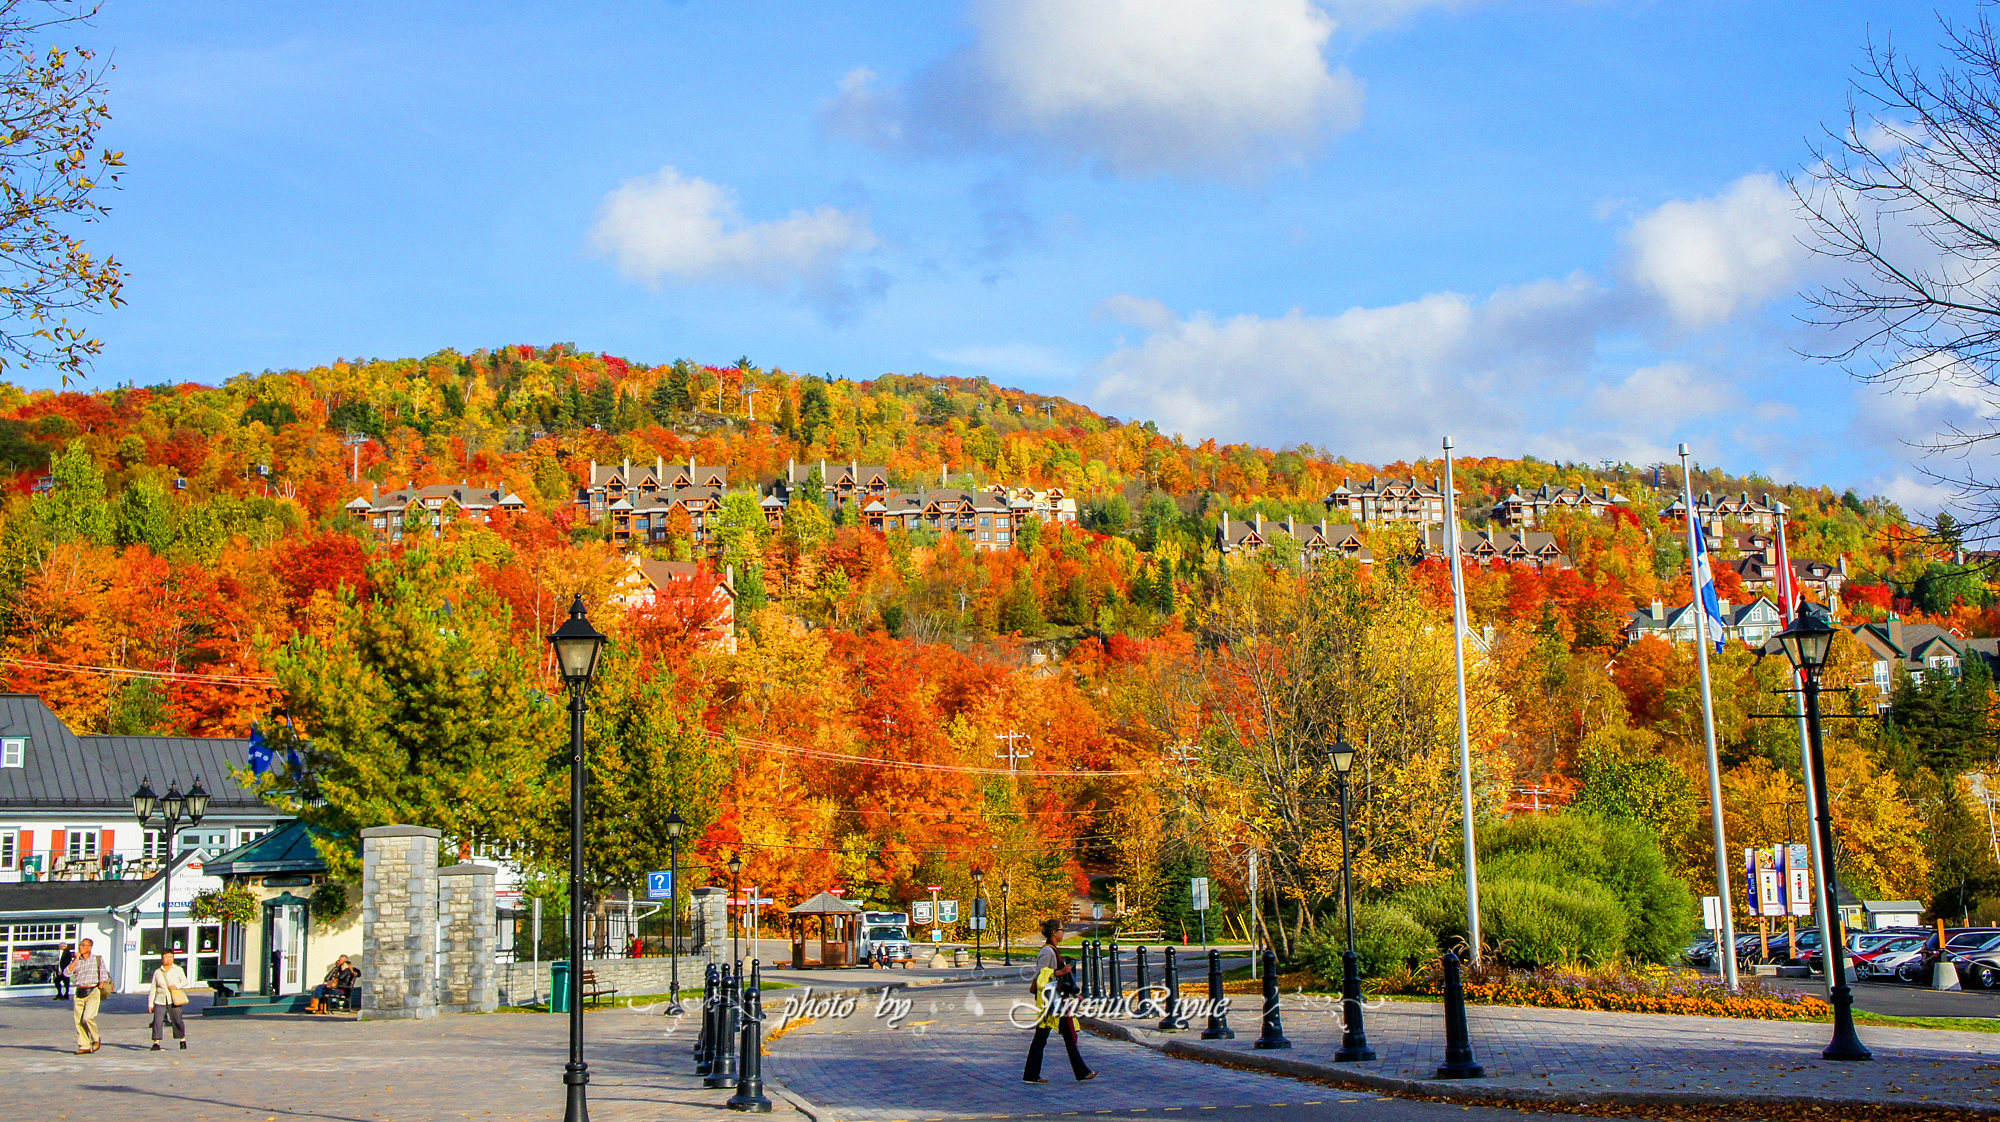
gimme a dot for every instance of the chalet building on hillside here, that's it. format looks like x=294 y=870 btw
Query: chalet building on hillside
x=1050 y=504
x=840 y=483
x=1514 y=547
x=1323 y=539
x=1715 y=513
x=1521 y=510
x=1820 y=581
x=989 y=521
x=640 y=518
x=650 y=581
x=1919 y=649
x=413 y=511
x=75 y=863
x=611 y=482
x=1754 y=624
x=1387 y=500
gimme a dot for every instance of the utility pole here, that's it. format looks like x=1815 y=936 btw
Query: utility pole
x=355 y=440
x=750 y=396
x=1013 y=753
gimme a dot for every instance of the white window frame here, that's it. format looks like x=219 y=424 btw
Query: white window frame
x=10 y=849
x=14 y=751
x=250 y=834
x=73 y=846
x=152 y=845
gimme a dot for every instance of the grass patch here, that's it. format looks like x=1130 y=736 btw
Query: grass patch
x=1956 y=1024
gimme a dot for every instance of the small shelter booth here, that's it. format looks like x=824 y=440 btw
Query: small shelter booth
x=835 y=922
x=289 y=948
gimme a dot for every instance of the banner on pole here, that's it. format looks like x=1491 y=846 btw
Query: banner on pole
x=1798 y=880
x=1766 y=885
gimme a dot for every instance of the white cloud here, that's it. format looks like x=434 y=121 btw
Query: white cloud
x=1376 y=383
x=1666 y=395
x=681 y=227
x=1708 y=259
x=1136 y=86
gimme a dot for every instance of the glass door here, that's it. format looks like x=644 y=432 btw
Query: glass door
x=285 y=943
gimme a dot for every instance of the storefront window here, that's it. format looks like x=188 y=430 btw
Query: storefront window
x=33 y=950
x=202 y=962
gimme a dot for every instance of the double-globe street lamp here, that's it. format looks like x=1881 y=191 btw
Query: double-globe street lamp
x=676 y=825
x=978 y=917
x=1006 y=933
x=577 y=644
x=1353 y=1040
x=1807 y=643
x=173 y=807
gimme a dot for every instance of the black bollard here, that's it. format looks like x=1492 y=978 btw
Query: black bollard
x=1117 y=977
x=1089 y=986
x=1274 y=1024
x=749 y=1094
x=1218 y=1008
x=704 y=1042
x=722 y=1061
x=1139 y=983
x=1097 y=968
x=1353 y=1039
x=1458 y=1062
x=1171 y=1019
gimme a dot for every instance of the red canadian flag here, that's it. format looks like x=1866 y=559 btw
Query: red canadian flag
x=1787 y=587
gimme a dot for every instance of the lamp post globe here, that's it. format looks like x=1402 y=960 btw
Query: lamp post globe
x=1807 y=643
x=576 y=644
x=144 y=800
x=197 y=803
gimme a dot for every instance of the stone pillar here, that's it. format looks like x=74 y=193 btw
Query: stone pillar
x=467 y=982
x=399 y=911
x=708 y=914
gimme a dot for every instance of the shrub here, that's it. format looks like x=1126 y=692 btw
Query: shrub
x=1386 y=937
x=1542 y=923
x=234 y=904
x=1622 y=856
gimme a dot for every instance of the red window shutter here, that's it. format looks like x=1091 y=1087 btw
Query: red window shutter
x=56 y=850
x=103 y=844
x=26 y=850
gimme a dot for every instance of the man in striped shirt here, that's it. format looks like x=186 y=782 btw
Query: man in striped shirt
x=87 y=972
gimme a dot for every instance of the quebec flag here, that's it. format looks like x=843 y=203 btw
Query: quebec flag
x=260 y=751
x=1704 y=586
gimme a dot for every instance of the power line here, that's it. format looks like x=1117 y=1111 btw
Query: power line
x=134 y=672
x=777 y=748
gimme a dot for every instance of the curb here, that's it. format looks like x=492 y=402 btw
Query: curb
x=1451 y=1090
x=800 y=1103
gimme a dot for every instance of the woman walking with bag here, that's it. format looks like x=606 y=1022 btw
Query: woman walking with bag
x=92 y=981
x=165 y=998
x=1054 y=980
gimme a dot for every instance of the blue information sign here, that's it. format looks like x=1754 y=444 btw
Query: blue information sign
x=660 y=886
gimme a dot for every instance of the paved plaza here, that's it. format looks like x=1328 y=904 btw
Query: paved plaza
x=498 y=1067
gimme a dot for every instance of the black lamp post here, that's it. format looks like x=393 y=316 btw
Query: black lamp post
x=1006 y=932
x=1807 y=642
x=736 y=894
x=676 y=825
x=979 y=917
x=173 y=807
x=577 y=645
x=1353 y=1040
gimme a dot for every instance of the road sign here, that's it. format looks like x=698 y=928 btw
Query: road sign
x=979 y=923
x=947 y=911
x=934 y=888
x=1097 y=911
x=937 y=934
x=1199 y=887
x=1711 y=912
x=920 y=911
x=660 y=885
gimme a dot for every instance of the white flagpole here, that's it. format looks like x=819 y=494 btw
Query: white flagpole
x=1791 y=606
x=1464 y=734
x=1726 y=950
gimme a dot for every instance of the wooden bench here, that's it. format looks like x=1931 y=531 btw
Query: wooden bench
x=592 y=991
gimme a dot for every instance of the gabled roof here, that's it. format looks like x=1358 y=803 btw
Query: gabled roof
x=62 y=769
x=57 y=896
x=287 y=849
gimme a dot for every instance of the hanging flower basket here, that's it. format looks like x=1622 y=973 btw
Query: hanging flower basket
x=235 y=904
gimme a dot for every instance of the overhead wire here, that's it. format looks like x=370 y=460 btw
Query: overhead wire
x=777 y=748
x=135 y=672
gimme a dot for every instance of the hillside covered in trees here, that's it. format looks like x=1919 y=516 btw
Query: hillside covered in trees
x=179 y=558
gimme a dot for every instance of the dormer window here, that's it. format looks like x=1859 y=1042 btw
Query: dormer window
x=14 y=751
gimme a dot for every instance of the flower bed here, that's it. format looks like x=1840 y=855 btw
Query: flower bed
x=1618 y=990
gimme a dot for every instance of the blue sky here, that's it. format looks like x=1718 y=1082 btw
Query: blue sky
x=1546 y=227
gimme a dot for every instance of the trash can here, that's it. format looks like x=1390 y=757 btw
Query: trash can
x=559 y=986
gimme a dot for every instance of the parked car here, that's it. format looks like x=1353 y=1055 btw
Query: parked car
x=1903 y=957
x=1976 y=957
x=1700 y=953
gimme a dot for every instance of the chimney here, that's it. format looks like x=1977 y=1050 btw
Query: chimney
x=1659 y=610
x=729 y=575
x=593 y=473
x=1322 y=528
x=791 y=470
x=1843 y=565
x=1225 y=529
x=375 y=493
x=626 y=475
x=691 y=478
x=1896 y=633
x=1260 y=523
x=822 y=471
x=944 y=475
x=854 y=472
x=659 y=468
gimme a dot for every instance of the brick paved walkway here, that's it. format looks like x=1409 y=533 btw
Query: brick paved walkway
x=499 y=1067
x=1570 y=1051
x=958 y=1057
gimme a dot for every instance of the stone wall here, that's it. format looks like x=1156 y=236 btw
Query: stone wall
x=523 y=982
x=399 y=909
x=466 y=982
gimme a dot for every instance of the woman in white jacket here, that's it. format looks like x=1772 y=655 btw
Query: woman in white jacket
x=165 y=999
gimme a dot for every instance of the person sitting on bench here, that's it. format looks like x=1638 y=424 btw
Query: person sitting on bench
x=340 y=978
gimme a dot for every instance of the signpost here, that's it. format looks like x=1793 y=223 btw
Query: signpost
x=660 y=885
x=1198 y=887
